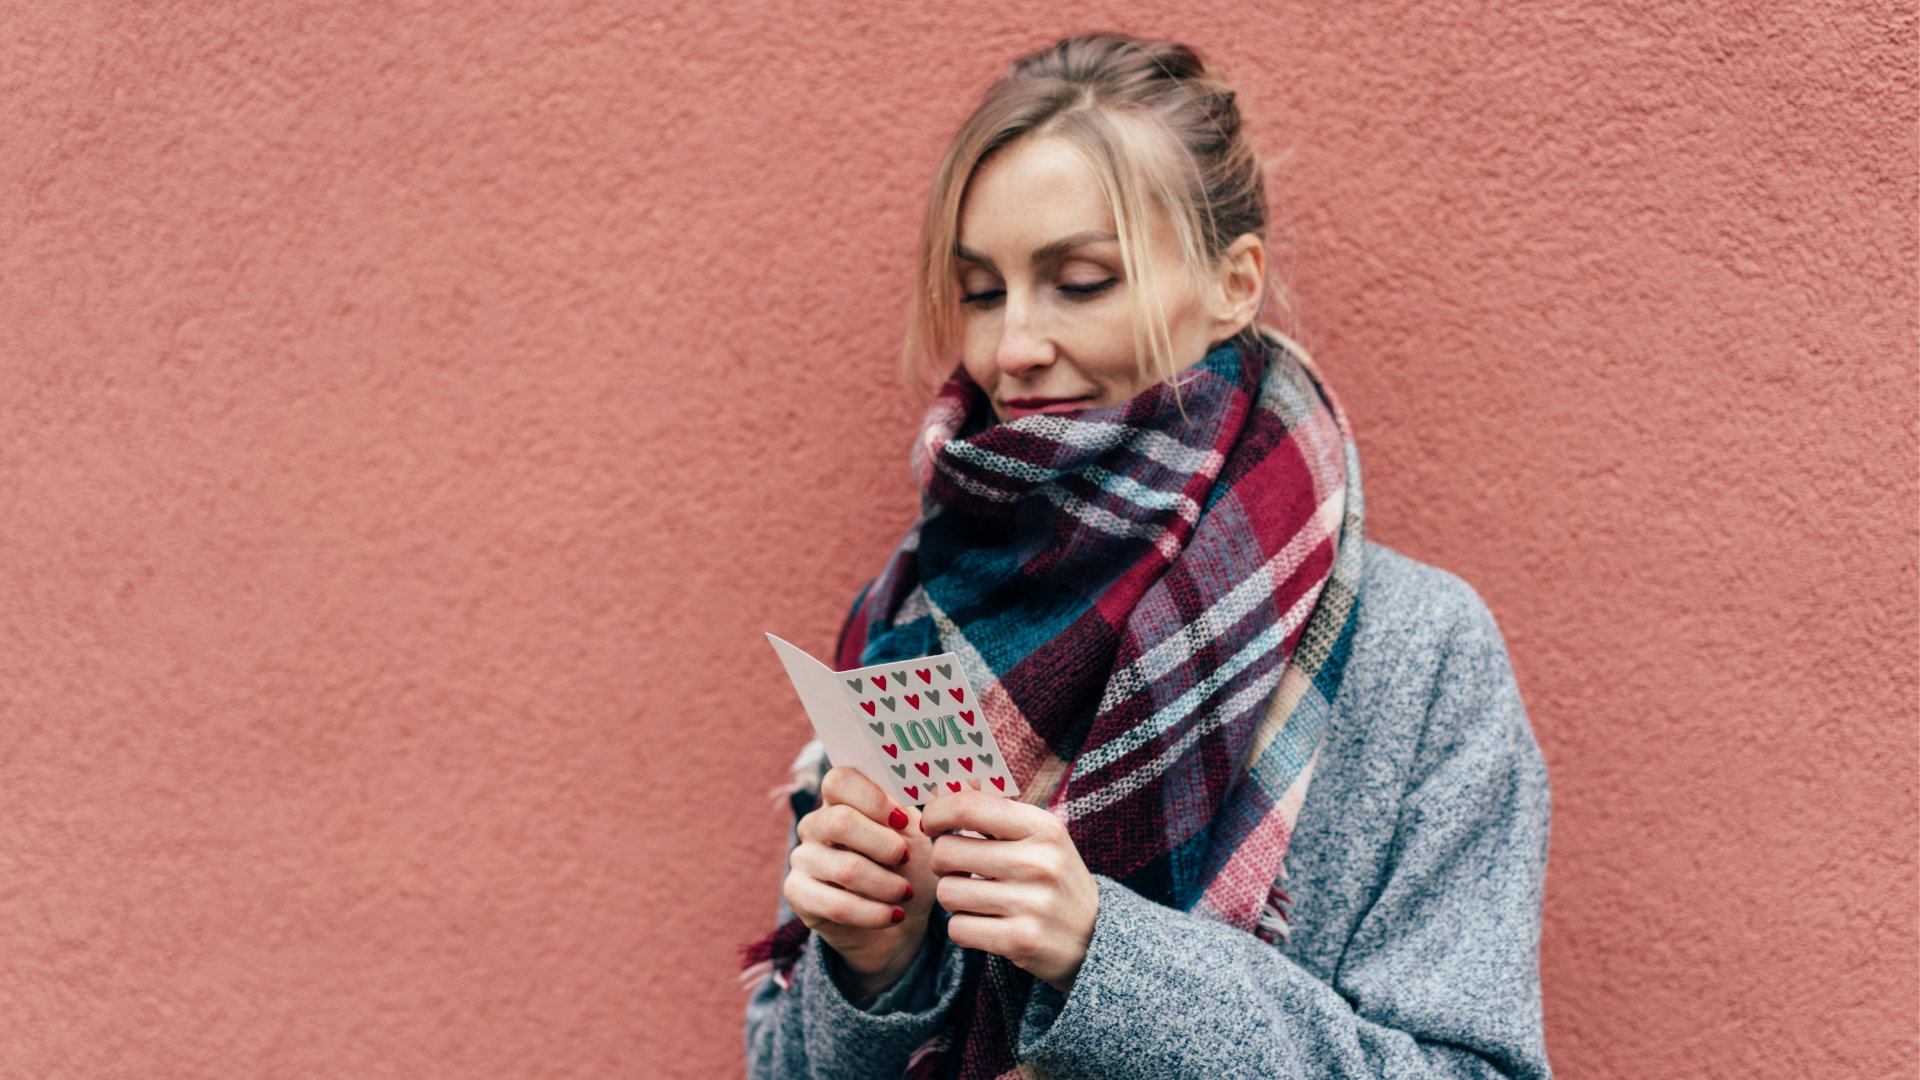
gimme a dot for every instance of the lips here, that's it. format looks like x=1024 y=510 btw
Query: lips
x=1018 y=407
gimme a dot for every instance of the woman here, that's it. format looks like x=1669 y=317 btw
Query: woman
x=1142 y=532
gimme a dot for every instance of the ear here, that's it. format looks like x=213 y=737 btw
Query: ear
x=1240 y=276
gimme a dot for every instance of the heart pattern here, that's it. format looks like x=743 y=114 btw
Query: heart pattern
x=918 y=732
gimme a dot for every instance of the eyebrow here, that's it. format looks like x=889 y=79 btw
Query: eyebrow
x=1041 y=255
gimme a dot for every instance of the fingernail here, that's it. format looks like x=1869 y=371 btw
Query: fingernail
x=906 y=856
x=909 y=895
x=897 y=819
x=898 y=914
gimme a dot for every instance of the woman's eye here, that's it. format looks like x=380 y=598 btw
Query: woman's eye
x=987 y=296
x=1089 y=290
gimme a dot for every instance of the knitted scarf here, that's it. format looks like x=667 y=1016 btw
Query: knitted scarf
x=1154 y=601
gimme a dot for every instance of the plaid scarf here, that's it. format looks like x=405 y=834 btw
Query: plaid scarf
x=1154 y=601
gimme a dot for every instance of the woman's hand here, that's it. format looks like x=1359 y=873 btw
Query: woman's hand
x=1037 y=903
x=861 y=878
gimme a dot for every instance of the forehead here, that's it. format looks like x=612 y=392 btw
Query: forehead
x=1035 y=188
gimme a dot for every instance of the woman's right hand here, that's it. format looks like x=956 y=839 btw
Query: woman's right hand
x=861 y=859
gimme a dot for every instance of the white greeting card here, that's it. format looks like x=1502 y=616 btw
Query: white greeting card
x=913 y=727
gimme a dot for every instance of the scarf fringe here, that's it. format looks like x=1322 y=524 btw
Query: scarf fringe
x=775 y=954
x=925 y=1060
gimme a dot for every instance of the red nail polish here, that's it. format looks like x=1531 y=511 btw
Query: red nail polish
x=909 y=895
x=897 y=819
x=898 y=914
x=906 y=857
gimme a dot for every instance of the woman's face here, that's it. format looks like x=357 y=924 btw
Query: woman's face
x=1044 y=310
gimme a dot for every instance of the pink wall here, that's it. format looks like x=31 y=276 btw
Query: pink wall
x=409 y=424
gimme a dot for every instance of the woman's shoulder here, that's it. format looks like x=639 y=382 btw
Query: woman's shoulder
x=1420 y=634
x=1404 y=596
x=1414 y=614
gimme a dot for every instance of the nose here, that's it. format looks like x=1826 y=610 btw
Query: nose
x=1022 y=346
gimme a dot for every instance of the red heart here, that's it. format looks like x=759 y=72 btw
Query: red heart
x=922 y=766
x=959 y=695
x=953 y=785
x=867 y=705
x=999 y=783
x=892 y=750
x=926 y=674
x=967 y=715
x=880 y=681
x=966 y=763
x=913 y=791
x=912 y=699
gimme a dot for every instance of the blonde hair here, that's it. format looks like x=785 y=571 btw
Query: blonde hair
x=1158 y=130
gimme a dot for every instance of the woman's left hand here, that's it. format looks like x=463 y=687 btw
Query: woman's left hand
x=1034 y=902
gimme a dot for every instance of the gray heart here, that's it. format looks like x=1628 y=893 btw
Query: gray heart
x=975 y=736
x=888 y=702
x=900 y=677
x=933 y=696
x=942 y=762
x=986 y=759
x=879 y=728
x=855 y=683
x=945 y=670
x=900 y=770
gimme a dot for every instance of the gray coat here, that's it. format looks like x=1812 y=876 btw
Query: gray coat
x=1417 y=869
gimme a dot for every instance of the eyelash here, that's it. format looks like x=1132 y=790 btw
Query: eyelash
x=1082 y=291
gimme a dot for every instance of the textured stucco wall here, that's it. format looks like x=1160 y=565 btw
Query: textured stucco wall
x=410 y=422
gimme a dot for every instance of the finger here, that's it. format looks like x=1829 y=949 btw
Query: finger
x=846 y=784
x=993 y=815
x=840 y=825
x=808 y=896
x=955 y=854
x=852 y=871
x=975 y=896
x=986 y=933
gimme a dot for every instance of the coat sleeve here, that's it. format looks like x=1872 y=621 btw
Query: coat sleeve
x=810 y=1029
x=1440 y=977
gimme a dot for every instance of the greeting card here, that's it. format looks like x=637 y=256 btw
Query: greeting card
x=914 y=727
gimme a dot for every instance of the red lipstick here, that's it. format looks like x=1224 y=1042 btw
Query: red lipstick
x=1018 y=407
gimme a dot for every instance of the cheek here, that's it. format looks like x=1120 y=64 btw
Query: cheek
x=976 y=351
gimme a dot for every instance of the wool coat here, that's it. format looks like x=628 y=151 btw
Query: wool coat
x=1416 y=873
